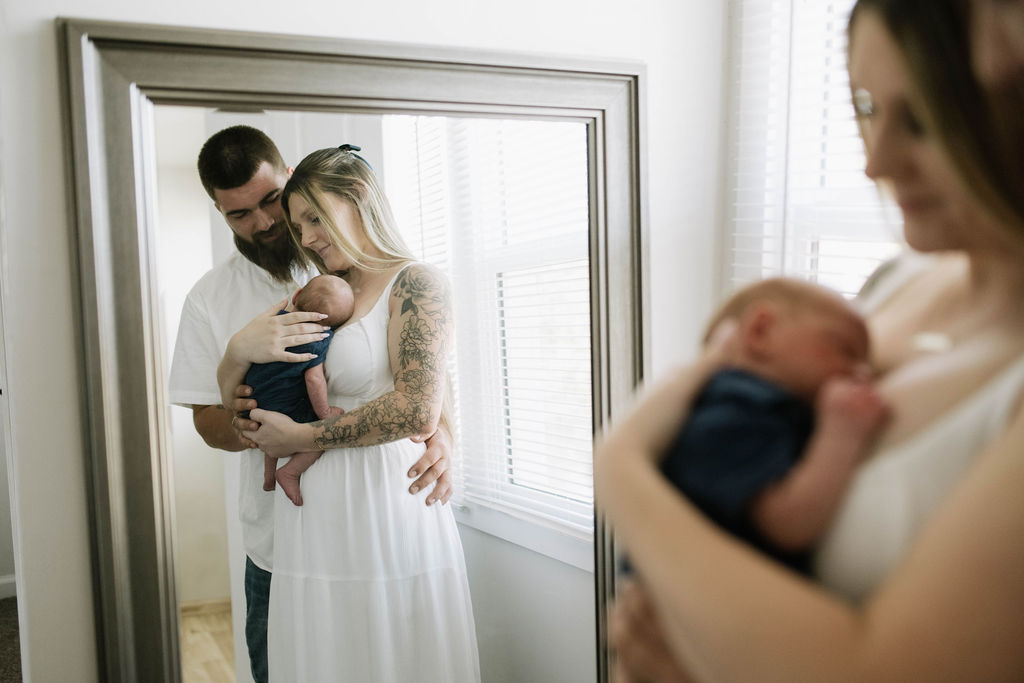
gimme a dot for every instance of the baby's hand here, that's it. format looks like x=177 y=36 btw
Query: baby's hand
x=853 y=407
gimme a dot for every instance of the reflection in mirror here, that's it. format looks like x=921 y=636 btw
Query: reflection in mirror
x=501 y=205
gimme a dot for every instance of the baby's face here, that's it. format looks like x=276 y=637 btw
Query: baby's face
x=815 y=345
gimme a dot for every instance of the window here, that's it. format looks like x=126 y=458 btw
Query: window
x=501 y=205
x=799 y=202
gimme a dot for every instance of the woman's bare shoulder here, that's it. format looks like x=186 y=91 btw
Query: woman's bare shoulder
x=419 y=282
x=418 y=269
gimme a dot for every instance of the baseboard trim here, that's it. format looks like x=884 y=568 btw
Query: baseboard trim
x=8 y=588
x=200 y=607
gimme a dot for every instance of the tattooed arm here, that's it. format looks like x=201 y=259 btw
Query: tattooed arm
x=419 y=336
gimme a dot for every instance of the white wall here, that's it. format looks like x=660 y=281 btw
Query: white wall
x=680 y=41
x=535 y=618
x=183 y=232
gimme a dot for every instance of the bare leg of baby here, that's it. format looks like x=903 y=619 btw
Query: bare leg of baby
x=288 y=474
x=269 y=467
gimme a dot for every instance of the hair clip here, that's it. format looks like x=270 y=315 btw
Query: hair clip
x=353 y=149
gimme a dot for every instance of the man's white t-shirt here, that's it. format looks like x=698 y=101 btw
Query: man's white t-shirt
x=221 y=303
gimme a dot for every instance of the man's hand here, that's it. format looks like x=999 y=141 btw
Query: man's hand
x=213 y=423
x=642 y=655
x=240 y=404
x=435 y=467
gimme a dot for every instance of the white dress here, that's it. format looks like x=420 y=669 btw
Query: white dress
x=895 y=493
x=369 y=583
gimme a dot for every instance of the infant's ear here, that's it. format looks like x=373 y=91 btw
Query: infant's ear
x=295 y=297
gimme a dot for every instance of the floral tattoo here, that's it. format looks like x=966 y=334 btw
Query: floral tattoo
x=422 y=350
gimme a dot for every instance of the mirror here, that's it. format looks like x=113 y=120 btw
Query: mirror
x=141 y=102
x=471 y=198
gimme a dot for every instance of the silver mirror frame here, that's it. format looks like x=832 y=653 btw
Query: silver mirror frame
x=113 y=75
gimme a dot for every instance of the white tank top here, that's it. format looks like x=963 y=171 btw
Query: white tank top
x=894 y=493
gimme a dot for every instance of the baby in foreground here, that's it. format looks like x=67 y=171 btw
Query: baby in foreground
x=774 y=438
x=299 y=390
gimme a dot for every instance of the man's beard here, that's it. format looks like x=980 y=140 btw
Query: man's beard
x=277 y=257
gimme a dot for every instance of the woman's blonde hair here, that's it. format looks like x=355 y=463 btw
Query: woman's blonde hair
x=341 y=172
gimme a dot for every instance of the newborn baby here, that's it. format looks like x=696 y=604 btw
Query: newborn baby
x=299 y=390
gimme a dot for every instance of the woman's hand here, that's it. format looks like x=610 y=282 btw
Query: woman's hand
x=264 y=340
x=642 y=654
x=278 y=435
x=267 y=336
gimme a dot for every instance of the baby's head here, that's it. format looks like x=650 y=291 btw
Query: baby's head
x=795 y=333
x=328 y=294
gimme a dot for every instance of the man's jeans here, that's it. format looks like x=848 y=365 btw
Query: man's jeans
x=257 y=603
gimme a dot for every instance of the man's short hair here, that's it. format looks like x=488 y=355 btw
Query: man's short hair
x=231 y=157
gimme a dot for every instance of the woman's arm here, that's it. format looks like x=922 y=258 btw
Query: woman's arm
x=419 y=334
x=950 y=611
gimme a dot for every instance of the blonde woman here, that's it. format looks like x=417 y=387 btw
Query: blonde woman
x=369 y=584
x=921 y=573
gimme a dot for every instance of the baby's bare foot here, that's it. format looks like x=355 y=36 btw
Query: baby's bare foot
x=289 y=482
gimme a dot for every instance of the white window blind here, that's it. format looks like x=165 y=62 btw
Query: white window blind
x=799 y=202
x=502 y=207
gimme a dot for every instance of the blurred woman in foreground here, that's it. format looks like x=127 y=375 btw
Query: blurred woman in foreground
x=921 y=573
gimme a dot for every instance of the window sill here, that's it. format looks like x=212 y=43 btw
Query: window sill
x=575 y=549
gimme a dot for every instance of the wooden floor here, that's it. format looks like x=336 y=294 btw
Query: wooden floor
x=207 y=644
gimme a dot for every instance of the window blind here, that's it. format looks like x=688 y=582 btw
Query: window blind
x=799 y=202
x=502 y=207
